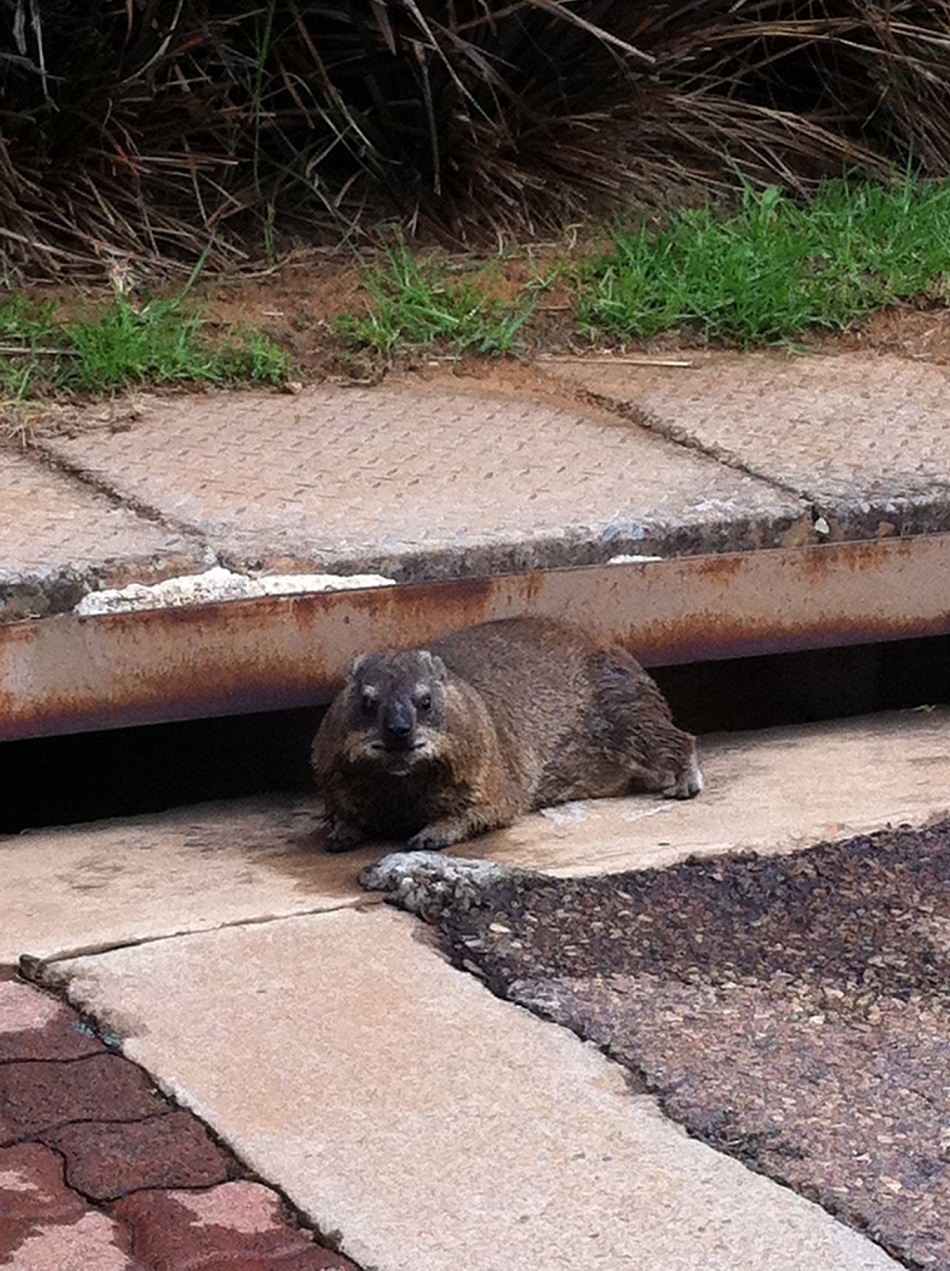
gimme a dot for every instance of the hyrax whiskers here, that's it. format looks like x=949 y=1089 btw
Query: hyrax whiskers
x=443 y=743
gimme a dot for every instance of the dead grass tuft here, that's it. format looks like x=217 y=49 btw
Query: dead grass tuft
x=138 y=136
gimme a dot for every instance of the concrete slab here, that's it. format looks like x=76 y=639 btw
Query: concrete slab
x=773 y=791
x=189 y=870
x=60 y=538
x=420 y=482
x=434 y=1126
x=90 y=887
x=865 y=437
x=790 y=1011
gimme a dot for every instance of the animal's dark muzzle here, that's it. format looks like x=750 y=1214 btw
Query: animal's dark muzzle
x=399 y=726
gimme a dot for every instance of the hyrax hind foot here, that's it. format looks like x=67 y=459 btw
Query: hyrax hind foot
x=689 y=783
x=638 y=732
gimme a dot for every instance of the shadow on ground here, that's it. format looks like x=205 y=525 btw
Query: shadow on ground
x=793 y=1012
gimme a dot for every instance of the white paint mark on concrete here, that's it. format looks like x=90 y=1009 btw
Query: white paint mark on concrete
x=219 y=584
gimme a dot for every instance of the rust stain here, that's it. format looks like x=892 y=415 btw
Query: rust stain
x=720 y=568
x=69 y=674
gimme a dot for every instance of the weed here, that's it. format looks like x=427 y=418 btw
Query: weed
x=416 y=303
x=121 y=344
x=773 y=269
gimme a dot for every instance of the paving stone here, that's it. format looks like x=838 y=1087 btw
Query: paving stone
x=422 y=481
x=34 y=1025
x=32 y=1188
x=237 y=1226
x=61 y=538
x=778 y=789
x=46 y=1227
x=91 y=1243
x=866 y=437
x=37 y=1096
x=190 y=869
x=396 y=1101
x=105 y=1161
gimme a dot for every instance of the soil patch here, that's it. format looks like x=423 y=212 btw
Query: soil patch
x=296 y=302
x=794 y=1012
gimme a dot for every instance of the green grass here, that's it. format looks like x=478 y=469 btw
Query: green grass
x=417 y=304
x=120 y=345
x=773 y=269
x=766 y=272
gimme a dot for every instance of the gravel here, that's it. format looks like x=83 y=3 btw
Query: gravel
x=793 y=1012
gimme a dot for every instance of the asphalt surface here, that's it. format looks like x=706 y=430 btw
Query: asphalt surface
x=793 y=1012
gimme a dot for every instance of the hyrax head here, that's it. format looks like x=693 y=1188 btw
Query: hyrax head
x=397 y=707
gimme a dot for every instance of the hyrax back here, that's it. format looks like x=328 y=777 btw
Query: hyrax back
x=443 y=743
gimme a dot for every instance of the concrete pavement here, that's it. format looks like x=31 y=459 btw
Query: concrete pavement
x=409 y=1117
x=217 y=865
x=433 y=1125
x=862 y=439
x=447 y=477
x=713 y=510
x=406 y=1113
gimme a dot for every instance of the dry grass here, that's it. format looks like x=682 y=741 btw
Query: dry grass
x=142 y=133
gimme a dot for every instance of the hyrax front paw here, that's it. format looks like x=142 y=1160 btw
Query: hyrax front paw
x=432 y=838
x=341 y=836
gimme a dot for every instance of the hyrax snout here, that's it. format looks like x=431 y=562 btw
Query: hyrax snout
x=443 y=743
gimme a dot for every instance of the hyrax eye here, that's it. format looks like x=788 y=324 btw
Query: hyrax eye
x=368 y=704
x=424 y=702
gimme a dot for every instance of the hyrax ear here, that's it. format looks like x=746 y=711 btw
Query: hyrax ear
x=433 y=664
x=356 y=666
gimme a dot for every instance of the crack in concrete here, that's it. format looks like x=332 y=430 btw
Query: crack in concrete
x=128 y=503
x=648 y=422
x=32 y=967
x=904 y=514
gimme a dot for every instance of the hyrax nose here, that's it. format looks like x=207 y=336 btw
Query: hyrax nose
x=398 y=722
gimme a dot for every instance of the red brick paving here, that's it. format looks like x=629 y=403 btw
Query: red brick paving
x=105 y=1162
x=238 y=1226
x=34 y=1026
x=38 y=1095
x=80 y=1126
x=92 y=1243
x=32 y=1188
x=44 y=1224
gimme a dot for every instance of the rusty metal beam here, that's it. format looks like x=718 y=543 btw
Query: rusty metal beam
x=71 y=674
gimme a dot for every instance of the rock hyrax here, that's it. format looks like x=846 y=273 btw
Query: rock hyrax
x=443 y=743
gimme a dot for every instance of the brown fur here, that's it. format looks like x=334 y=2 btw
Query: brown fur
x=443 y=743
